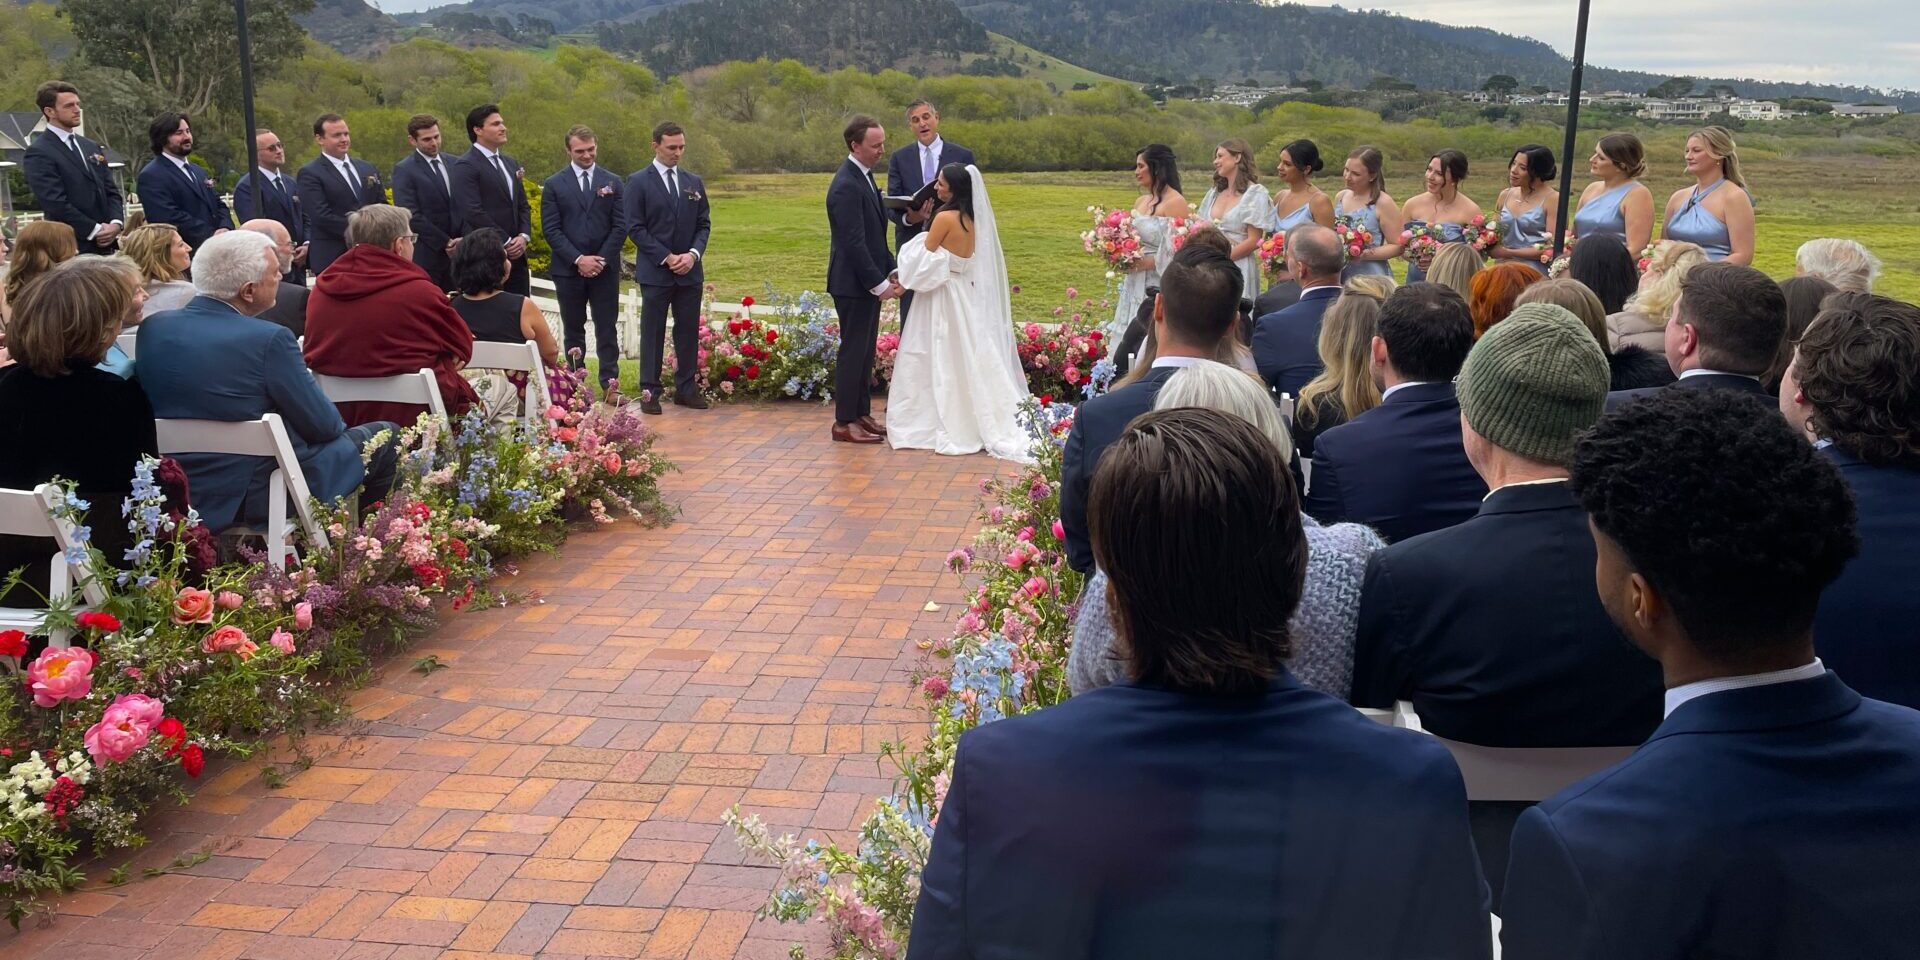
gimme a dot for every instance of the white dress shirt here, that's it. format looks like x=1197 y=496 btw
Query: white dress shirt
x=1688 y=691
x=1396 y=388
x=1704 y=372
x=1181 y=362
x=1522 y=483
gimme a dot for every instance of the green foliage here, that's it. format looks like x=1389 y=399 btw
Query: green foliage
x=167 y=43
x=821 y=33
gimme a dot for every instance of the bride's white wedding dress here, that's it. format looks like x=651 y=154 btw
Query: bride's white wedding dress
x=957 y=381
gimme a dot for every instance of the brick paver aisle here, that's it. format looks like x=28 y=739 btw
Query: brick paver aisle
x=558 y=791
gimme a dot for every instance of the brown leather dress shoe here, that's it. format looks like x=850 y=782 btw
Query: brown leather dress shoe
x=650 y=405
x=853 y=433
x=871 y=425
x=692 y=401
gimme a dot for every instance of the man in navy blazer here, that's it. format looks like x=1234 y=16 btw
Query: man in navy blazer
x=912 y=167
x=1855 y=384
x=177 y=191
x=68 y=173
x=1199 y=304
x=859 y=276
x=333 y=185
x=1400 y=467
x=667 y=214
x=213 y=359
x=489 y=189
x=1725 y=332
x=423 y=185
x=1286 y=344
x=583 y=215
x=279 y=200
x=1212 y=806
x=1775 y=813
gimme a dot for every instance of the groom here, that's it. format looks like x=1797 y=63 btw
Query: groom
x=859 y=276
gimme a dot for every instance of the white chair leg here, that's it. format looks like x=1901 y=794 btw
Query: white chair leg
x=277 y=527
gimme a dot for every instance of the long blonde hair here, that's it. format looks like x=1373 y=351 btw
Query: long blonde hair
x=1454 y=267
x=1719 y=142
x=1672 y=259
x=1346 y=351
x=1245 y=174
x=150 y=247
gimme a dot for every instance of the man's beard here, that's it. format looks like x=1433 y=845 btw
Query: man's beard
x=182 y=150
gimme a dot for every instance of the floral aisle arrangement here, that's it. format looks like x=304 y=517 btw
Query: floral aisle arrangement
x=1007 y=656
x=1059 y=359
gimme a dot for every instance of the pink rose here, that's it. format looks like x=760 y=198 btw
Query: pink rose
x=281 y=641
x=555 y=412
x=228 y=600
x=1017 y=559
x=303 y=616
x=62 y=674
x=1025 y=535
x=227 y=639
x=1034 y=587
x=193 y=605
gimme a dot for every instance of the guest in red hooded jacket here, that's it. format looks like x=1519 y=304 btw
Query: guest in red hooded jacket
x=375 y=313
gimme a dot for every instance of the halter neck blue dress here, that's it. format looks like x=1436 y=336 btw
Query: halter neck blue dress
x=1367 y=218
x=1696 y=224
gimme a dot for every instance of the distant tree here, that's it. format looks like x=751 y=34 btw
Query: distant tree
x=1539 y=90
x=1312 y=86
x=186 y=48
x=1501 y=85
x=1083 y=86
x=1671 y=88
x=1721 y=91
x=1384 y=83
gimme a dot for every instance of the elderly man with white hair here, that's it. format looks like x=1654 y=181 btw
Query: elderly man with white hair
x=290 y=304
x=214 y=359
x=1844 y=263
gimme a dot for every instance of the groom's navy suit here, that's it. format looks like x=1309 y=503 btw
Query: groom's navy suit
x=859 y=261
x=905 y=177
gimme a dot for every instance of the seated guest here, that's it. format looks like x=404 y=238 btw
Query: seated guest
x=1607 y=268
x=1192 y=318
x=1725 y=331
x=62 y=416
x=1399 y=468
x=1804 y=296
x=1455 y=266
x=41 y=245
x=1321 y=630
x=290 y=304
x=1212 y=799
x=1854 y=386
x=163 y=257
x=1844 y=263
x=1494 y=290
x=1629 y=367
x=214 y=359
x=1775 y=813
x=480 y=269
x=1286 y=344
x=1643 y=323
x=1345 y=388
x=376 y=313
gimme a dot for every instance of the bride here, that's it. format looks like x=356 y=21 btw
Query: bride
x=956 y=380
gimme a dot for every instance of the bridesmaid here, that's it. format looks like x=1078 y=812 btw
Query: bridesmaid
x=1157 y=172
x=1716 y=211
x=1302 y=201
x=1617 y=204
x=1443 y=207
x=1241 y=207
x=1366 y=203
x=1528 y=207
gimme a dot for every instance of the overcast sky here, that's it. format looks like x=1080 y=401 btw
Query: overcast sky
x=1871 y=42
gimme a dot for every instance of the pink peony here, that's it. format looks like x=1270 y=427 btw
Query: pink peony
x=145 y=710
x=1017 y=559
x=117 y=736
x=303 y=616
x=1034 y=587
x=1072 y=292
x=281 y=641
x=228 y=600
x=1025 y=534
x=60 y=674
x=556 y=412
x=971 y=622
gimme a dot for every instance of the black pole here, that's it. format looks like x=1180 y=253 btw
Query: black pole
x=246 y=101
x=1573 y=130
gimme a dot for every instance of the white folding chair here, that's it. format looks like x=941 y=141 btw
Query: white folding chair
x=126 y=343
x=1526 y=774
x=1286 y=409
x=265 y=437
x=420 y=387
x=1385 y=718
x=521 y=357
x=29 y=513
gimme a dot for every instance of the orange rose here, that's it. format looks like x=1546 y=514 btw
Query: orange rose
x=228 y=639
x=193 y=606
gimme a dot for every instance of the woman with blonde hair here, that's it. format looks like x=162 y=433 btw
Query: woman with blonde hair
x=1718 y=219
x=1454 y=267
x=1240 y=207
x=1644 y=321
x=41 y=245
x=163 y=258
x=1345 y=387
x=1628 y=368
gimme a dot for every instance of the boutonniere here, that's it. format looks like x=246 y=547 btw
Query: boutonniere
x=208 y=182
x=520 y=174
x=606 y=191
x=373 y=179
x=694 y=195
x=100 y=158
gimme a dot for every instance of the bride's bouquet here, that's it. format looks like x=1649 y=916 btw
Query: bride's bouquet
x=1113 y=238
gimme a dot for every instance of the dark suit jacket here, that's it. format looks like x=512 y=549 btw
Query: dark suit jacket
x=205 y=361
x=286 y=210
x=79 y=193
x=436 y=217
x=859 y=259
x=661 y=226
x=1399 y=468
x=328 y=200
x=590 y=225
x=1277 y=298
x=191 y=206
x=904 y=179
x=1286 y=345
x=1133 y=822
x=1704 y=381
x=1493 y=629
x=1766 y=823
x=1866 y=629
x=290 y=308
x=1096 y=425
x=482 y=199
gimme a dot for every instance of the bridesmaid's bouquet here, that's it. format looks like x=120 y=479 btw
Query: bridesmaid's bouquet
x=1179 y=230
x=1273 y=256
x=1354 y=238
x=1481 y=233
x=1113 y=238
x=1418 y=244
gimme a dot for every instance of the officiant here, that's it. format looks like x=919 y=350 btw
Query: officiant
x=913 y=167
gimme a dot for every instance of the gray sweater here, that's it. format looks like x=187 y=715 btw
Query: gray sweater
x=1321 y=629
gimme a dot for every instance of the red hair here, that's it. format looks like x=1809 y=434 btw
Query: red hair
x=1494 y=291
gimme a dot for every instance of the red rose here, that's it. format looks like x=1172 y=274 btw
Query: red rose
x=733 y=373
x=753 y=370
x=429 y=574
x=457 y=547
x=746 y=301
x=773 y=335
x=1046 y=399
x=193 y=760
x=103 y=622
x=172 y=729
x=13 y=643
x=1095 y=334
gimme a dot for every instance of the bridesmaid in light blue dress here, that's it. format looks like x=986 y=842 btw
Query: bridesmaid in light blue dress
x=1716 y=211
x=1528 y=207
x=1617 y=204
x=1442 y=208
x=1158 y=172
x=1240 y=206
x=1366 y=203
x=1301 y=202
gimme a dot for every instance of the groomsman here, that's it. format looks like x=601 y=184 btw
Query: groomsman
x=583 y=216
x=333 y=185
x=667 y=217
x=177 y=191
x=279 y=201
x=914 y=166
x=69 y=175
x=488 y=191
x=423 y=184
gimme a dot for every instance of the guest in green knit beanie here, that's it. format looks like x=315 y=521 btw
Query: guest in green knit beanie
x=1529 y=385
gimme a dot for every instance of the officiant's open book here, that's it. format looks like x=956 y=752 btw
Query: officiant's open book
x=914 y=202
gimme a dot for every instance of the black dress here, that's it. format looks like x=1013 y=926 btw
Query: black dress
x=495 y=319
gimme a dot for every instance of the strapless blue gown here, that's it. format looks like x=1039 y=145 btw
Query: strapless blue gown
x=1525 y=230
x=1696 y=224
x=1449 y=233
x=1367 y=218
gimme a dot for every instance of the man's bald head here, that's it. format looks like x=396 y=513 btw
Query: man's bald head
x=277 y=232
x=1316 y=254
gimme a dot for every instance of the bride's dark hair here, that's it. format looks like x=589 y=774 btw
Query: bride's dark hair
x=961 y=185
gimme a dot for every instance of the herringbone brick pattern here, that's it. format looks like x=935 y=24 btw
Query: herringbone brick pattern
x=557 y=792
